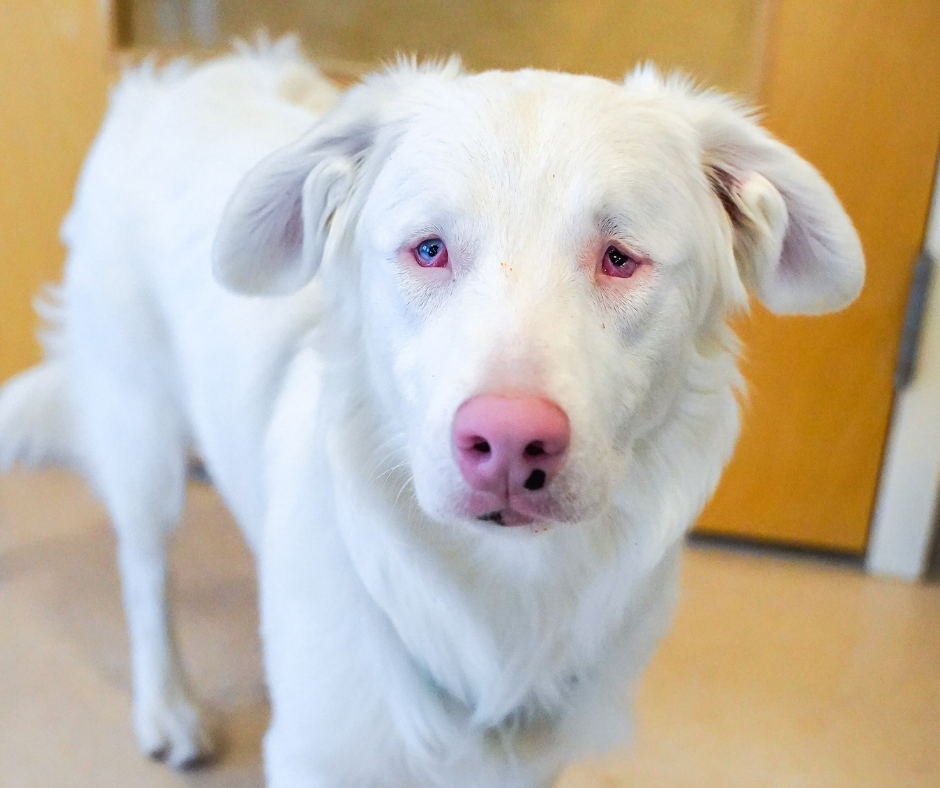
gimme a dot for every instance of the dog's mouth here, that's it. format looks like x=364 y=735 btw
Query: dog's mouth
x=528 y=508
x=506 y=517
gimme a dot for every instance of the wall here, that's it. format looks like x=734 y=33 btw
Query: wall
x=719 y=42
x=53 y=64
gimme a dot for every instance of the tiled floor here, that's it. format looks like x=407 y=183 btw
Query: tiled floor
x=779 y=672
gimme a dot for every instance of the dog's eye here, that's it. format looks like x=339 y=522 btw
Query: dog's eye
x=431 y=253
x=618 y=263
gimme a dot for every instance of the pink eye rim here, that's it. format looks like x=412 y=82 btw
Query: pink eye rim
x=430 y=252
x=618 y=263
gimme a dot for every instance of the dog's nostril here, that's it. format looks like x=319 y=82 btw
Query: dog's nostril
x=481 y=446
x=536 y=480
x=534 y=449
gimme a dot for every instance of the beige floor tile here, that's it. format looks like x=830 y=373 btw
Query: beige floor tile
x=779 y=672
x=788 y=672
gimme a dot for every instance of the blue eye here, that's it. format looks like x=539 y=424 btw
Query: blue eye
x=431 y=253
x=430 y=249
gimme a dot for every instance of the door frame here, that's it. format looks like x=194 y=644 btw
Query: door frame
x=904 y=521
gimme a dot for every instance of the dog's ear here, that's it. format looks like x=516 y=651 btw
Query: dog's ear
x=272 y=234
x=794 y=244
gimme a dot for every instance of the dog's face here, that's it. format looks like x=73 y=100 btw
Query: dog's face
x=539 y=261
x=537 y=239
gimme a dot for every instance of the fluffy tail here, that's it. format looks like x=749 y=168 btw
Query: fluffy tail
x=36 y=425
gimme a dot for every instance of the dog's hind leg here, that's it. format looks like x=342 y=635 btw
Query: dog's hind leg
x=134 y=443
x=139 y=469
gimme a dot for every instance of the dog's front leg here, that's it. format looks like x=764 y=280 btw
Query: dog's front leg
x=328 y=727
x=330 y=724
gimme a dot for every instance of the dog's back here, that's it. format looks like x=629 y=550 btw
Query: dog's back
x=139 y=316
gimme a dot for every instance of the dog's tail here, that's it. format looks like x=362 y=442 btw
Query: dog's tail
x=36 y=423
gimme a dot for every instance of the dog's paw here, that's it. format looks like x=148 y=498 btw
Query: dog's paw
x=173 y=731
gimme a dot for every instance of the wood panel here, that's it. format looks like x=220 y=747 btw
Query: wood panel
x=854 y=85
x=52 y=58
x=719 y=42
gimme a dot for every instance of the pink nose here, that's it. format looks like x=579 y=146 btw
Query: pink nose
x=505 y=445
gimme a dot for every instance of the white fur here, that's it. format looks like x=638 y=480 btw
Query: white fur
x=406 y=645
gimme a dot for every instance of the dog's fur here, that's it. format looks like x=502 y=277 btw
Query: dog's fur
x=407 y=644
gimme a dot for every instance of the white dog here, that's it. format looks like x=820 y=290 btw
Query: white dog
x=460 y=367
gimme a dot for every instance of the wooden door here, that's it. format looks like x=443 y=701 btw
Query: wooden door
x=854 y=86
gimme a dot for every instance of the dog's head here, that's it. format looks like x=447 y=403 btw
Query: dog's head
x=541 y=266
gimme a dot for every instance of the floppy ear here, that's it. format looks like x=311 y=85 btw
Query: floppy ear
x=794 y=244
x=273 y=229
